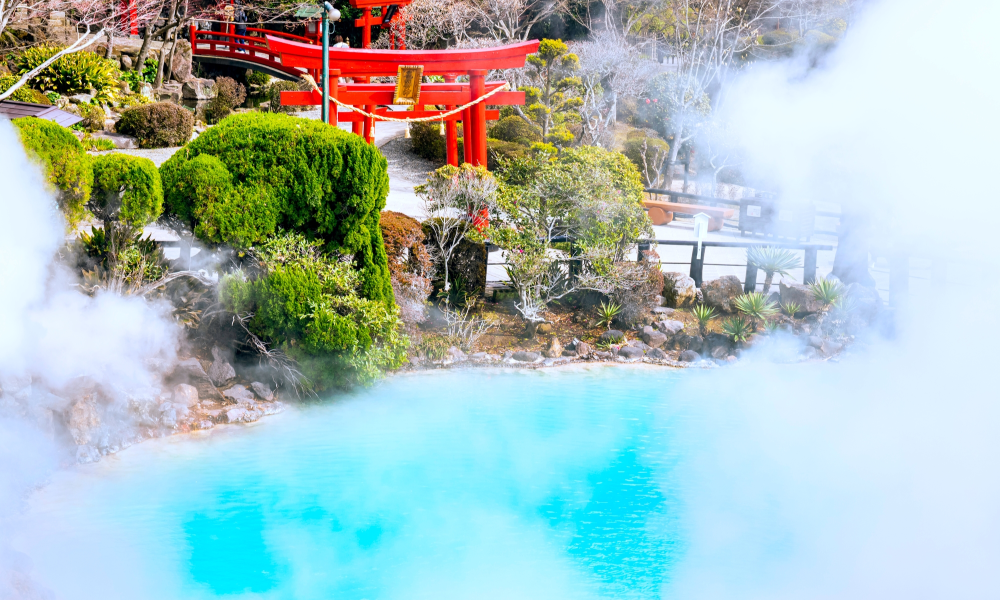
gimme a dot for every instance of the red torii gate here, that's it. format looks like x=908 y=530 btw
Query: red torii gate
x=350 y=62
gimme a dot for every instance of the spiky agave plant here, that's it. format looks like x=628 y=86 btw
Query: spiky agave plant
x=606 y=313
x=772 y=261
x=791 y=308
x=827 y=291
x=756 y=306
x=703 y=314
x=738 y=328
x=770 y=327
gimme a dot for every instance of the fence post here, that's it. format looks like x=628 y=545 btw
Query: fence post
x=750 y=284
x=643 y=247
x=809 y=265
x=696 y=265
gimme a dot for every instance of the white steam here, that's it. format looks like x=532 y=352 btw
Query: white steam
x=875 y=477
x=51 y=333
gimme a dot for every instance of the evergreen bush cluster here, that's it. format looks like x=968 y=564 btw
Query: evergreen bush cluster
x=307 y=303
x=288 y=173
x=74 y=73
x=517 y=130
x=410 y=264
x=67 y=166
x=157 y=125
x=23 y=93
x=127 y=190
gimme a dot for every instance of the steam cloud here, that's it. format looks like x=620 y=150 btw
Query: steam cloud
x=875 y=477
x=51 y=335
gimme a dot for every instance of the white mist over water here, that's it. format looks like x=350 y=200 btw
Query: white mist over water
x=50 y=334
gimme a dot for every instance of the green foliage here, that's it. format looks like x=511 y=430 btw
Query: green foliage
x=771 y=327
x=772 y=261
x=299 y=175
x=93 y=117
x=704 y=315
x=136 y=79
x=257 y=78
x=306 y=303
x=738 y=328
x=756 y=306
x=606 y=314
x=126 y=189
x=274 y=96
x=827 y=291
x=122 y=253
x=67 y=166
x=75 y=73
x=97 y=144
x=157 y=125
x=517 y=130
x=553 y=94
x=791 y=308
x=23 y=93
x=648 y=154
x=426 y=140
x=229 y=94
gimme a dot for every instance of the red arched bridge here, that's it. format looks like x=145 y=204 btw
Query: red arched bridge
x=245 y=51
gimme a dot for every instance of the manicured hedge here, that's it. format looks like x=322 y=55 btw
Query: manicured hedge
x=126 y=189
x=157 y=125
x=517 y=130
x=66 y=163
x=299 y=175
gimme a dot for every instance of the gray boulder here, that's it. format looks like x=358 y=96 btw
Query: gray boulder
x=657 y=354
x=631 y=352
x=191 y=372
x=525 y=356
x=185 y=394
x=455 y=354
x=663 y=310
x=865 y=300
x=555 y=349
x=652 y=337
x=126 y=62
x=182 y=66
x=198 y=89
x=84 y=420
x=239 y=393
x=262 y=390
x=612 y=336
x=583 y=349
x=670 y=327
x=689 y=356
x=168 y=92
x=221 y=372
x=721 y=292
x=800 y=295
x=720 y=352
x=679 y=290
x=603 y=355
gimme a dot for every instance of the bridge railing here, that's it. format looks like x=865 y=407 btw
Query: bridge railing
x=249 y=48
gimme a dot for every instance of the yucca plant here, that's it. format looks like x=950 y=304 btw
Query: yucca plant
x=791 y=308
x=703 y=314
x=770 y=327
x=827 y=291
x=756 y=306
x=606 y=313
x=738 y=328
x=772 y=261
x=74 y=73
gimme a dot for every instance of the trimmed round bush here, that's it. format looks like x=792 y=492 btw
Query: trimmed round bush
x=67 y=166
x=426 y=140
x=257 y=78
x=294 y=174
x=517 y=130
x=157 y=125
x=274 y=96
x=229 y=94
x=127 y=189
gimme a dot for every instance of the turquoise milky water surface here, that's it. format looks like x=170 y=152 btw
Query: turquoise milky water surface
x=451 y=485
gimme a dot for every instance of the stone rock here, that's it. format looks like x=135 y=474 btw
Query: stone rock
x=731 y=359
x=801 y=295
x=181 y=64
x=721 y=292
x=84 y=420
x=829 y=347
x=689 y=356
x=683 y=341
x=169 y=416
x=612 y=336
x=808 y=353
x=508 y=354
x=815 y=341
x=663 y=310
x=123 y=142
x=81 y=98
x=544 y=328
x=168 y=92
x=715 y=340
x=660 y=301
x=191 y=372
x=603 y=355
x=583 y=349
x=569 y=353
x=198 y=89
x=525 y=356
x=720 y=352
x=631 y=352
x=126 y=62
x=657 y=354
x=479 y=356
x=679 y=290
x=670 y=327
x=455 y=354
x=87 y=454
x=652 y=337
x=239 y=393
x=185 y=394
x=555 y=349
x=262 y=390
x=236 y=415
x=221 y=372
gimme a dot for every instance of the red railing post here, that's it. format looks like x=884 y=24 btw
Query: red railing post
x=451 y=131
x=193 y=48
x=334 y=93
x=477 y=83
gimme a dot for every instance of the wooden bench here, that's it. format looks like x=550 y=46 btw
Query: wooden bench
x=661 y=213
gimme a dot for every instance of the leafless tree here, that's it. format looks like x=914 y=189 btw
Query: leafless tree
x=511 y=20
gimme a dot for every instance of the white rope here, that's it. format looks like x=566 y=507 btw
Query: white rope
x=441 y=117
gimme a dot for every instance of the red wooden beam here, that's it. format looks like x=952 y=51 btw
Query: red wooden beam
x=347 y=95
x=346 y=116
x=378 y=3
x=374 y=63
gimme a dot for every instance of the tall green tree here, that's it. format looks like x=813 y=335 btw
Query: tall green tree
x=552 y=91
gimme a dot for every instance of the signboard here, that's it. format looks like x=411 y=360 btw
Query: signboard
x=408 y=84
x=753 y=210
x=309 y=11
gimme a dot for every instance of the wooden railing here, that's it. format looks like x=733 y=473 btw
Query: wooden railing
x=248 y=48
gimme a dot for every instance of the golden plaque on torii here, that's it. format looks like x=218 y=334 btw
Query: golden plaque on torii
x=408 y=84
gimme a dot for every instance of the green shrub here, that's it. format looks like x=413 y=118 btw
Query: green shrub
x=126 y=189
x=257 y=78
x=75 y=73
x=100 y=144
x=23 y=93
x=136 y=79
x=517 y=130
x=307 y=304
x=648 y=155
x=229 y=94
x=67 y=166
x=313 y=178
x=93 y=117
x=426 y=140
x=157 y=125
x=274 y=96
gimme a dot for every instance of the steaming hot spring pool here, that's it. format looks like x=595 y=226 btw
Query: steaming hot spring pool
x=476 y=484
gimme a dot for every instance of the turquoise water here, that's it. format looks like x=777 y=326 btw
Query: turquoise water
x=454 y=485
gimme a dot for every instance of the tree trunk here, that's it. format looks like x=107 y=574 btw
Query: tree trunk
x=147 y=38
x=163 y=57
x=768 y=277
x=111 y=45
